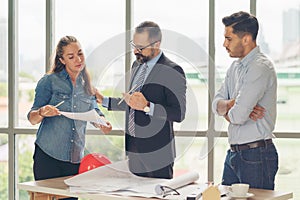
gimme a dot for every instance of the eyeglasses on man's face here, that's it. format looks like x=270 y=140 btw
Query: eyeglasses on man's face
x=140 y=48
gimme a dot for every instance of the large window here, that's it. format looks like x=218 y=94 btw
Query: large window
x=185 y=40
x=280 y=39
x=100 y=26
x=24 y=149
x=3 y=166
x=191 y=156
x=288 y=174
x=3 y=63
x=3 y=98
x=29 y=69
x=31 y=60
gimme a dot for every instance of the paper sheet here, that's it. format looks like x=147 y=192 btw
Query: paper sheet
x=90 y=116
x=177 y=182
x=116 y=178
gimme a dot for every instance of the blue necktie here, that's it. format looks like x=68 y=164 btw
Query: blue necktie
x=139 y=84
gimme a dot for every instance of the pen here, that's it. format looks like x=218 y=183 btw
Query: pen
x=55 y=106
x=133 y=88
x=59 y=104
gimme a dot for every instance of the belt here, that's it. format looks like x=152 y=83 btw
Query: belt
x=251 y=145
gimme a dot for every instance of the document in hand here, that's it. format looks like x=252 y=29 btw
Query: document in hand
x=90 y=116
x=116 y=178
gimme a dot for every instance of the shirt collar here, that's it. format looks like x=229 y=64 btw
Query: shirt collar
x=63 y=73
x=250 y=56
x=154 y=60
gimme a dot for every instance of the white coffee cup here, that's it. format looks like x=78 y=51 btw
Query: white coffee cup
x=239 y=189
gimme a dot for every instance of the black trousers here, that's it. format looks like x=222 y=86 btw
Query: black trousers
x=45 y=167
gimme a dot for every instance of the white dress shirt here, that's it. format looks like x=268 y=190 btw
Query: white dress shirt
x=250 y=81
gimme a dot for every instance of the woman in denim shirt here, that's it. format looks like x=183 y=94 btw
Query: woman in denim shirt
x=60 y=141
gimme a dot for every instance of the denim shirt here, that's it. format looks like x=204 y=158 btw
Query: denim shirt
x=60 y=137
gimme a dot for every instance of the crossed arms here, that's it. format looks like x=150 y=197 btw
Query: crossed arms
x=223 y=106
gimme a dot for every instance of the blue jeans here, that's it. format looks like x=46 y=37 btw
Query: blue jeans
x=257 y=167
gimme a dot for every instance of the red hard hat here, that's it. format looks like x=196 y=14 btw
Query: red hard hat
x=91 y=161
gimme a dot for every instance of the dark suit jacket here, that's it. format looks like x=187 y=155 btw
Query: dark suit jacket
x=165 y=86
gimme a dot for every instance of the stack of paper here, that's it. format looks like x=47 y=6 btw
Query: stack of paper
x=116 y=178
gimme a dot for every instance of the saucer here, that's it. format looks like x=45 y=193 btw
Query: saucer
x=234 y=196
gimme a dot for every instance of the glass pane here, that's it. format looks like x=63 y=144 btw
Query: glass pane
x=288 y=174
x=220 y=149
x=24 y=154
x=191 y=155
x=280 y=39
x=223 y=61
x=3 y=166
x=3 y=63
x=110 y=146
x=31 y=54
x=185 y=41
x=99 y=26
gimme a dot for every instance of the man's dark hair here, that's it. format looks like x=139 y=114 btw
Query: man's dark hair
x=242 y=23
x=152 y=28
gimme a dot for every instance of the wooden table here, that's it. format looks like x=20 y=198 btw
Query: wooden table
x=56 y=189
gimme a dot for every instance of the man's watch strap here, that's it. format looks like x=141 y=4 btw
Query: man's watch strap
x=147 y=108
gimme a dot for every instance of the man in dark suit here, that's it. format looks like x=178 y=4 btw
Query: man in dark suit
x=157 y=100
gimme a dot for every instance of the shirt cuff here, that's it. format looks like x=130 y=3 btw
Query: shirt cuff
x=151 y=109
x=215 y=105
x=105 y=102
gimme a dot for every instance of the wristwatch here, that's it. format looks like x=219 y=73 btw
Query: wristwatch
x=147 y=107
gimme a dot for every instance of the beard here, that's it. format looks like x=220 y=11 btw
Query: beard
x=141 y=59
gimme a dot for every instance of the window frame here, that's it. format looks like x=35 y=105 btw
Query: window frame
x=12 y=130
